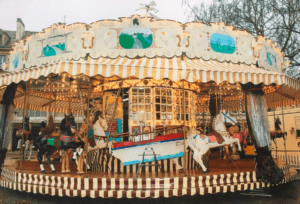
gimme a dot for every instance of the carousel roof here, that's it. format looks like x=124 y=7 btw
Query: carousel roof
x=144 y=47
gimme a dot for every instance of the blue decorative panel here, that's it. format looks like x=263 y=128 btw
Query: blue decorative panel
x=222 y=43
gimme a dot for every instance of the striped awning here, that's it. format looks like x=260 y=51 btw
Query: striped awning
x=175 y=69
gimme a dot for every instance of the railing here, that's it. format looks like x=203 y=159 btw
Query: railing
x=157 y=132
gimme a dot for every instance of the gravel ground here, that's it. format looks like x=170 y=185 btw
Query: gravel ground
x=282 y=194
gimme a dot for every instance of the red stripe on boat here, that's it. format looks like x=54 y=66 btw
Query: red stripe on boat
x=156 y=139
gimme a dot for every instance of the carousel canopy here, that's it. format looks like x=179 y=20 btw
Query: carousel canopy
x=175 y=69
x=141 y=47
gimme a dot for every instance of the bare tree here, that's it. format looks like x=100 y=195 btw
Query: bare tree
x=278 y=20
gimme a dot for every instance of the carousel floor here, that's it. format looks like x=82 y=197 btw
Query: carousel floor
x=223 y=177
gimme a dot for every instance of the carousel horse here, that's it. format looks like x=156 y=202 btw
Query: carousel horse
x=43 y=146
x=99 y=125
x=241 y=135
x=278 y=132
x=67 y=137
x=219 y=127
x=25 y=133
x=29 y=137
x=19 y=135
x=200 y=144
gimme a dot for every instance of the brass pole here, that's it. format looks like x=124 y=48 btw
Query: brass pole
x=70 y=97
x=51 y=84
x=87 y=123
x=24 y=112
x=274 y=124
x=284 y=136
x=184 y=135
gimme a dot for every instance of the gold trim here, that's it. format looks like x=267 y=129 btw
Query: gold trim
x=179 y=40
x=188 y=40
x=93 y=38
x=83 y=43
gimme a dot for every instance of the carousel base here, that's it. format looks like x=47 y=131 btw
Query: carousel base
x=223 y=177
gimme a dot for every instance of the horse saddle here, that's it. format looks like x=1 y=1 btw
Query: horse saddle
x=64 y=138
x=26 y=133
x=273 y=133
x=54 y=134
x=218 y=136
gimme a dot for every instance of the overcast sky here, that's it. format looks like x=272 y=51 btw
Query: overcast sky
x=39 y=14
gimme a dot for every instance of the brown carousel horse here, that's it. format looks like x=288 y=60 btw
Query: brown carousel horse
x=278 y=132
x=47 y=143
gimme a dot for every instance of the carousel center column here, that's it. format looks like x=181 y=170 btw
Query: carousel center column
x=257 y=120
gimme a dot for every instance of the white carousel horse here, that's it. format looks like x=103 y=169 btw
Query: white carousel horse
x=219 y=126
x=99 y=135
x=200 y=144
x=148 y=7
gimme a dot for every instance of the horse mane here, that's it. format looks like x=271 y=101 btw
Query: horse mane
x=98 y=113
x=50 y=128
x=63 y=124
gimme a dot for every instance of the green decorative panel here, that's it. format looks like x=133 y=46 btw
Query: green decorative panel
x=271 y=59
x=136 y=38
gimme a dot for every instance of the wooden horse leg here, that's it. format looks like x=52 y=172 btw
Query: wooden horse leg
x=63 y=162
x=198 y=158
x=234 y=150
x=178 y=166
x=50 y=150
x=227 y=152
x=30 y=151
x=40 y=159
x=68 y=161
x=80 y=163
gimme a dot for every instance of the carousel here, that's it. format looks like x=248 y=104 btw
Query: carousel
x=148 y=104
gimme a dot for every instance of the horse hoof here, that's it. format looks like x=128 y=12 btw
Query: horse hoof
x=89 y=169
x=205 y=171
x=54 y=172
x=43 y=172
x=181 y=170
x=73 y=159
x=230 y=160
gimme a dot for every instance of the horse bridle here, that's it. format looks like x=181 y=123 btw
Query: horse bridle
x=68 y=122
x=226 y=116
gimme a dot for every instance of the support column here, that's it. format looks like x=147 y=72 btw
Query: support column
x=6 y=110
x=257 y=120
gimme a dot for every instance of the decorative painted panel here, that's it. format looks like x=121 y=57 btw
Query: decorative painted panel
x=222 y=43
x=145 y=37
x=136 y=38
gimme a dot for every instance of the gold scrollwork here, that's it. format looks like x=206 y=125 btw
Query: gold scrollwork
x=84 y=47
x=179 y=40
x=188 y=41
x=93 y=38
x=25 y=54
x=258 y=55
x=90 y=47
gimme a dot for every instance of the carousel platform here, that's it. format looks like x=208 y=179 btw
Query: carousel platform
x=223 y=177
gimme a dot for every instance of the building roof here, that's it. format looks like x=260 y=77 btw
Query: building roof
x=12 y=34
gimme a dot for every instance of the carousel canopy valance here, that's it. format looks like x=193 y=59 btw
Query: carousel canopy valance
x=138 y=36
x=175 y=69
